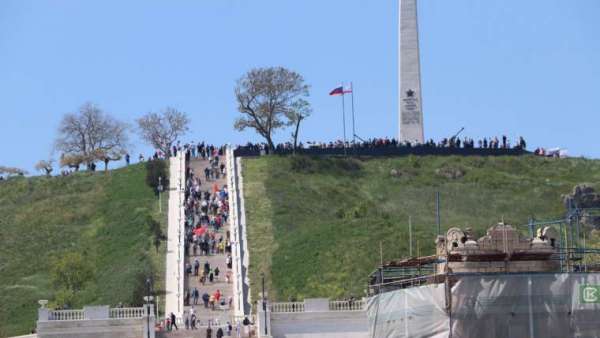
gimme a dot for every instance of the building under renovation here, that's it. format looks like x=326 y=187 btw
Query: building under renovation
x=499 y=285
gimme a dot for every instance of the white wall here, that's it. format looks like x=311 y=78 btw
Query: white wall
x=330 y=324
x=107 y=328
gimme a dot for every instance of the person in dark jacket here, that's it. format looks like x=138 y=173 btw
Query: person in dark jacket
x=205 y=299
x=220 y=333
x=209 y=332
x=173 y=321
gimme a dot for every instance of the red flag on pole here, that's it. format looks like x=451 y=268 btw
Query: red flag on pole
x=337 y=91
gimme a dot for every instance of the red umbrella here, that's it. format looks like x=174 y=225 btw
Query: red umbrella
x=199 y=231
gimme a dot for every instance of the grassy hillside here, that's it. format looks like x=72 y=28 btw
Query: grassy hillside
x=103 y=216
x=314 y=224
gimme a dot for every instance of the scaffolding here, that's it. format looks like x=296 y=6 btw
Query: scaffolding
x=571 y=251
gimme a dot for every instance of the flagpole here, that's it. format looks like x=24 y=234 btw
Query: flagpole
x=344 y=117
x=353 y=130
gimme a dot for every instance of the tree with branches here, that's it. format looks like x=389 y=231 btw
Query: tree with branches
x=299 y=111
x=90 y=135
x=45 y=166
x=161 y=130
x=71 y=161
x=267 y=97
x=12 y=171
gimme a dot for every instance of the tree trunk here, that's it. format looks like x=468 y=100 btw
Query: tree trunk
x=270 y=143
x=296 y=133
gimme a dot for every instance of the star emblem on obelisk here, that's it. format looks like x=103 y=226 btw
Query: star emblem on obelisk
x=410 y=93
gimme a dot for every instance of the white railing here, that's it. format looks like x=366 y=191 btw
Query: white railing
x=245 y=251
x=334 y=305
x=66 y=315
x=239 y=252
x=344 y=305
x=175 y=260
x=127 y=312
x=287 y=307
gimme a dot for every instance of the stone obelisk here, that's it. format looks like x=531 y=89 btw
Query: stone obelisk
x=409 y=105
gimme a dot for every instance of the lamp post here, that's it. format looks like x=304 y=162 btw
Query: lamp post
x=148 y=299
x=264 y=300
x=160 y=189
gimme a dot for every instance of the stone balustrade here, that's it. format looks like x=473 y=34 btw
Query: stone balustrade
x=287 y=307
x=66 y=315
x=346 y=305
x=127 y=312
x=314 y=305
x=97 y=321
x=314 y=317
x=90 y=312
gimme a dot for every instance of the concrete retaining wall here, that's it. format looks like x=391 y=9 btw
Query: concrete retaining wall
x=98 y=328
x=351 y=324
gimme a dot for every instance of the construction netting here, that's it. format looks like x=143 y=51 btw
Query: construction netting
x=478 y=306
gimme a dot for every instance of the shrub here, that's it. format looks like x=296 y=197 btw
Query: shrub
x=154 y=170
x=71 y=271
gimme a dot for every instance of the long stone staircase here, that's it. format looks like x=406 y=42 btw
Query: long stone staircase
x=221 y=315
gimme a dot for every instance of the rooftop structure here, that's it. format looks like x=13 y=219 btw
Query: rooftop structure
x=502 y=249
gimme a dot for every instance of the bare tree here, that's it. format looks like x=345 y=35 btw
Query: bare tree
x=11 y=171
x=264 y=96
x=107 y=157
x=90 y=134
x=162 y=129
x=299 y=111
x=45 y=166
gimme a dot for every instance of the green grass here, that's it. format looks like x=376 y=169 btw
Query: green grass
x=101 y=215
x=315 y=224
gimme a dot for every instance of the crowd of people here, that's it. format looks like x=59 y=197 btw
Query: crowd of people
x=206 y=214
x=453 y=142
x=192 y=150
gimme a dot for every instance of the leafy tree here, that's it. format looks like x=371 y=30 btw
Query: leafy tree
x=154 y=170
x=71 y=272
x=12 y=171
x=71 y=161
x=63 y=298
x=296 y=114
x=265 y=98
x=91 y=134
x=157 y=234
x=146 y=270
x=45 y=166
x=162 y=129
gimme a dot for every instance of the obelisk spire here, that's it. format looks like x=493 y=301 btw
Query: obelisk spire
x=409 y=105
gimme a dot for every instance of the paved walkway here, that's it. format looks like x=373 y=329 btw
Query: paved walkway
x=221 y=314
x=173 y=284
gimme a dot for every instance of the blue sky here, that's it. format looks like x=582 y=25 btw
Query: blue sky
x=495 y=67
